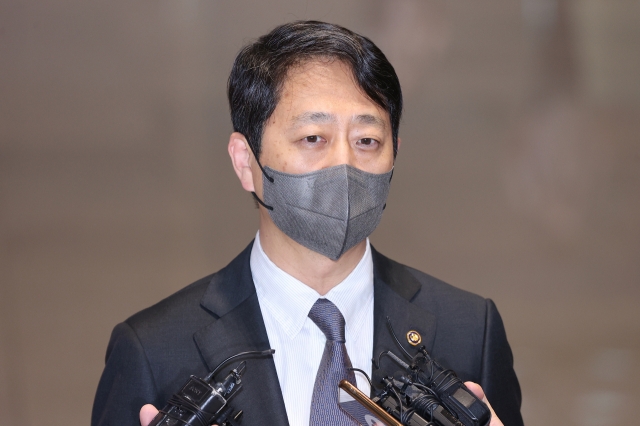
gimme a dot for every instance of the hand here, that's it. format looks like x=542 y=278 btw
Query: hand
x=147 y=413
x=477 y=390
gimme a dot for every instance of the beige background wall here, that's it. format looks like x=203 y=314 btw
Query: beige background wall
x=518 y=178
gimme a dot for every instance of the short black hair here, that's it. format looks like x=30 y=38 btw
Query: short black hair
x=261 y=67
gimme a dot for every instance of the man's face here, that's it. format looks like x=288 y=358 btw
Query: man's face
x=323 y=119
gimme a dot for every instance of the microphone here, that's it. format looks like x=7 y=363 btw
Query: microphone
x=201 y=403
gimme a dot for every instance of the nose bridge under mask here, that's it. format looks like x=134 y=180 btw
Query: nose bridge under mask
x=323 y=191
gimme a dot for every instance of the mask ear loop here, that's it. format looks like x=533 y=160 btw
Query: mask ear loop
x=269 y=178
x=255 y=197
x=390 y=177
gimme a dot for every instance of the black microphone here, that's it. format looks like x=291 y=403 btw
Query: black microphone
x=201 y=403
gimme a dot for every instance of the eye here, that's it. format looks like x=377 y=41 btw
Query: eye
x=367 y=141
x=312 y=139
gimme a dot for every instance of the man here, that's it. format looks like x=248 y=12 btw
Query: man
x=315 y=110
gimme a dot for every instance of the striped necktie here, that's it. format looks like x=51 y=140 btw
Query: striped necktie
x=333 y=367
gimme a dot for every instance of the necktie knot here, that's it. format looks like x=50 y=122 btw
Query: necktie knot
x=329 y=320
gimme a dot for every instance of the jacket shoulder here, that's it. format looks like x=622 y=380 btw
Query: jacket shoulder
x=192 y=306
x=178 y=308
x=443 y=296
x=419 y=287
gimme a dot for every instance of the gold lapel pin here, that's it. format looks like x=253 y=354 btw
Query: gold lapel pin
x=414 y=338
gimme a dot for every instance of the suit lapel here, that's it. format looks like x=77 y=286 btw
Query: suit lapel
x=237 y=326
x=394 y=288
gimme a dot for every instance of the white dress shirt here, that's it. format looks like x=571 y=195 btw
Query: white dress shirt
x=285 y=303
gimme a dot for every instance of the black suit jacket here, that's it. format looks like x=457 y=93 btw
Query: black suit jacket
x=152 y=354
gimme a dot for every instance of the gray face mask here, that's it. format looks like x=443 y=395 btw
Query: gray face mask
x=328 y=211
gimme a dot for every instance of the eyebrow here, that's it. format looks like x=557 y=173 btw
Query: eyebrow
x=370 y=119
x=323 y=117
x=313 y=118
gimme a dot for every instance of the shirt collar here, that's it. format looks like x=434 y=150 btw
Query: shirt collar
x=290 y=300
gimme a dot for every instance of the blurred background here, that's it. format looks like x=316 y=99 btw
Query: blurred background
x=518 y=178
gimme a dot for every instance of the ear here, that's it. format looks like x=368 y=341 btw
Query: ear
x=399 y=143
x=240 y=154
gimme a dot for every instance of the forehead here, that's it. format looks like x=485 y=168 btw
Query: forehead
x=325 y=86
